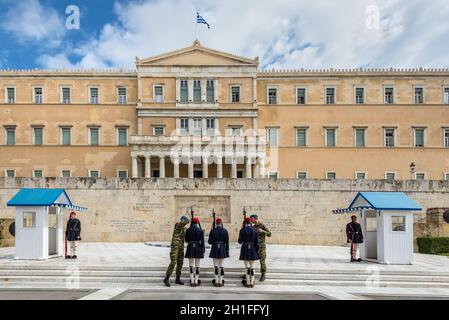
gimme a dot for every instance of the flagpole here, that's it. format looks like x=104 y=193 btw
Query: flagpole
x=196 y=27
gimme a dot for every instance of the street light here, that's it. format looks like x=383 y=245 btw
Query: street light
x=412 y=169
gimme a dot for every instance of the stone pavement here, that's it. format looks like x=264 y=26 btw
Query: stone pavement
x=135 y=271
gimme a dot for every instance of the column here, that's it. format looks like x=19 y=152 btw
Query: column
x=162 y=166
x=148 y=167
x=178 y=90
x=234 y=169
x=205 y=168
x=190 y=89
x=255 y=126
x=248 y=168
x=190 y=168
x=134 y=166
x=256 y=170
x=176 y=168
x=219 y=168
x=261 y=168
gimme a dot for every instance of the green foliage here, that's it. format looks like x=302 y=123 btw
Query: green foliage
x=431 y=245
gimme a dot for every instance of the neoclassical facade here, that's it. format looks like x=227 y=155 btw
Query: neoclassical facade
x=201 y=113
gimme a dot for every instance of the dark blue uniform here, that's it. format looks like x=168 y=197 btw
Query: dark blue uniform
x=73 y=230
x=249 y=239
x=195 y=242
x=219 y=239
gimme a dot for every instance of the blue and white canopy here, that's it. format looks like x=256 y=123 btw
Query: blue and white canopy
x=43 y=198
x=381 y=201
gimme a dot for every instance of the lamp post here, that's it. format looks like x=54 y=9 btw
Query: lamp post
x=412 y=170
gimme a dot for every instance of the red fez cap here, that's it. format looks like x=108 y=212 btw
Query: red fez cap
x=196 y=220
x=73 y=212
x=248 y=220
x=219 y=221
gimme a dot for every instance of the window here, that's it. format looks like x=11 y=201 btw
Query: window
x=419 y=137
x=390 y=175
x=66 y=95
x=446 y=138
x=330 y=175
x=11 y=173
x=196 y=91
x=419 y=95
x=331 y=137
x=122 y=174
x=272 y=175
x=66 y=136
x=389 y=95
x=301 y=175
x=389 y=137
x=236 y=131
x=359 y=95
x=397 y=223
x=239 y=174
x=122 y=136
x=93 y=95
x=446 y=95
x=38 y=95
x=235 y=94
x=420 y=176
x=210 y=91
x=301 y=137
x=184 y=125
x=158 y=130
x=94 y=136
x=38 y=136
x=38 y=173
x=122 y=95
x=29 y=219
x=11 y=95
x=11 y=136
x=184 y=91
x=158 y=94
x=360 y=175
x=197 y=126
x=330 y=95
x=210 y=126
x=360 y=137
x=272 y=95
x=66 y=173
x=301 y=95
x=272 y=137
x=446 y=176
x=94 y=174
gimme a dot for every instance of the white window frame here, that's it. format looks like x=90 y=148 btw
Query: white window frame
x=361 y=172
x=62 y=135
x=180 y=90
x=270 y=172
x=325 y=94
x=193 y=91
x=62 y=95
x=62 y=170
x=305 y=95
x=154 y=92
x=6 y=94
x=34 y=93
x=388 y=86
x=423 y=94
x=421 y=172
x=424 y=137
x=13 y=170
x=268 y=137
x=89 y=96
x=299 y=171
x=277 y=94
x=118 y=171
x=355 y=93
x=364 y=137
x=327 y=175
x=230 y=92
x=90 y=135
x=325 y=136
x=126 y=94
x=118 y=136
x=158 y=126
x=394 y=137
x=233 y=127
x=90 y=173
x=443 y=89
x=184 y=131
x=390 y=172
x=214 y=84
x=306 y=136
x=34 y=173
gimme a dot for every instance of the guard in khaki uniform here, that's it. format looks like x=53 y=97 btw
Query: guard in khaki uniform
x=263 y=232
x=177 y=251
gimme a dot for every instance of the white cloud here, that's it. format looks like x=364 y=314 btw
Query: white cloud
x=29 y=20
x=283 y=33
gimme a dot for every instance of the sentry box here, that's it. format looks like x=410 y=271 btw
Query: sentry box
x=386 y=219
x=39 y=226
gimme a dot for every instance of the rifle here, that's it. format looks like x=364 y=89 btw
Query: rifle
x=191 y=214
x=244 y=217
x=213 y=216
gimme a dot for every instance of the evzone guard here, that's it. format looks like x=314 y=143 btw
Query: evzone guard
x=219 y=240
x=249 y=252
x=195 y=250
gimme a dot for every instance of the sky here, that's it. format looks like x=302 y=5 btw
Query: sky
x=284 y=34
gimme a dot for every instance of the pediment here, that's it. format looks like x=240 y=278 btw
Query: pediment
x=196 y=55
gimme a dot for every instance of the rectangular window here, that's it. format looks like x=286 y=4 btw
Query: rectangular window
x=331 y=138
x=210 y=126
x=66 y=173
x=301 y=137
x=446 y=95
x=272 y=95
x=122 y=134
x=29 y=219
x=158 y=94
x=235 y=94
x=301 y=95
x=390 y=175
x=389 y=95
x=11 y=173
x=38 y=136
x=301 y=175
x=419 y=95
x=360 y=175
x=272 y=137
x=158 y=130
x=197 y=126
x=184 y=91
x=446 y=176
x=38 y=96
x=38 y=173
x=419 y=137
x=10 y=136
x=122 y=95
x=446 y=138
x=11 y=95
x=359 y=95
x=94 y=136
x=359 y=137
x=94 y=174
x=236 y=131
x=331 y=175
x=93 y=95
x=210 y=91
x=330 y=95
x=389 y=137
x=184 y=125
x=66 y=95
x=272 y=175
x=66 y=136
x=122 y=174
x=196 y=91
x=420 y=176
x=397 y=223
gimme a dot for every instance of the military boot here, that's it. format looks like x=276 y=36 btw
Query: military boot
x=167 y=281
x=262 y=277
x=179 y=281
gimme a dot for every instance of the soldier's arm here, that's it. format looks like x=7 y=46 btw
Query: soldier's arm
x=268 y=232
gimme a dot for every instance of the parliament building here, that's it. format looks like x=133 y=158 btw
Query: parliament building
x=201 y=113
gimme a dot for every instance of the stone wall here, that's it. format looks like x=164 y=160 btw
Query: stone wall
x=297 y=211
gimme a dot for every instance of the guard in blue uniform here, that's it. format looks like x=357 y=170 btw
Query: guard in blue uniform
x=195 y=250
x=249 y=252
x=73 y=234
x=219 y=240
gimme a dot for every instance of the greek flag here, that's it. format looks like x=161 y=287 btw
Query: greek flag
x=200 y=19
